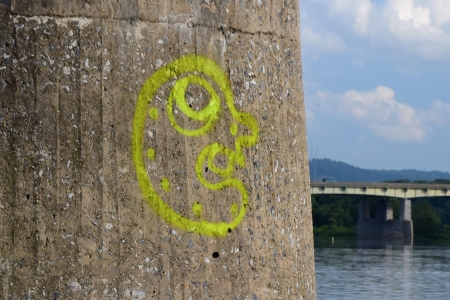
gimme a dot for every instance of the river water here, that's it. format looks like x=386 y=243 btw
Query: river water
x=351 y=269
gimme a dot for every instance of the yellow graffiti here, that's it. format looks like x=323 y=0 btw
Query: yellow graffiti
x=151 y=154
x=153 y=113
x=210 y=112
x=194 y=70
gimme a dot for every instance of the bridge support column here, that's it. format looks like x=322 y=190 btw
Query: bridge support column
x=384 y=226
x=384 y=210
x=389 y=210
x=364 y=210
x=405 y=218
x=405 y=210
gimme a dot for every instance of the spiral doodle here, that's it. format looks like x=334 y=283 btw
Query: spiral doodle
x=186 y=71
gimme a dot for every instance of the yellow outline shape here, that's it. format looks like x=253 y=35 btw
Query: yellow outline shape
x=207 y=67
x=210 y=112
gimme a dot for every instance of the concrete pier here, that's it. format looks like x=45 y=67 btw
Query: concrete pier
x=153 y=150
x=383 y=225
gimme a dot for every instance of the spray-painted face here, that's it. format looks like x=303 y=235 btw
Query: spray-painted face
x=213 y=164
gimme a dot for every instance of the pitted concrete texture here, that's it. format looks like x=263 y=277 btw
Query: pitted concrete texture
x=153 y=150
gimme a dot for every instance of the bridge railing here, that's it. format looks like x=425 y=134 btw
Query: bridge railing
x=398 y=190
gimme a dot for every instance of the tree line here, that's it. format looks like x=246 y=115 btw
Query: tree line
x=436 y=181
x=340 y=171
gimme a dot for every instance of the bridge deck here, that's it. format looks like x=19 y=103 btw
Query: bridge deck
x=398 y=190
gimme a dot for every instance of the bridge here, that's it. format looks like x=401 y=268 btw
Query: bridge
x=383 y=225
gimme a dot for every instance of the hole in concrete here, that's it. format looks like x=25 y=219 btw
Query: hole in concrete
x=206 y=169
x=229 y=230
x=215 y=254
x=28 y=196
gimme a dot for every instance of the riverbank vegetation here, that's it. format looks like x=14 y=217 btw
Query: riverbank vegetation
x=337 y=215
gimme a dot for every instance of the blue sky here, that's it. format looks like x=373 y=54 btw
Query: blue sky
x=376 y=75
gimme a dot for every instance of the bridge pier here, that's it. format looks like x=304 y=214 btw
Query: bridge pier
x=384 y=225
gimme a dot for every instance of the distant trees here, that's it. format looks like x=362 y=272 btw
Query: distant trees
x=426 y=223
x=337 y=215
x=431 y=217
x=436 y=181
x=340 y=171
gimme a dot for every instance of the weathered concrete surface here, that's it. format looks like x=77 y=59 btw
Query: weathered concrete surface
x=77 y=217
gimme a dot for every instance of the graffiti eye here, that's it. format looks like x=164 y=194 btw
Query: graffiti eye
x=207 y=114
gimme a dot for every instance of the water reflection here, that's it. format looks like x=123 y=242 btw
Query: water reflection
x=351 y=269
x=383 y=244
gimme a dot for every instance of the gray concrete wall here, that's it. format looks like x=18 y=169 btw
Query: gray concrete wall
x=114 y=186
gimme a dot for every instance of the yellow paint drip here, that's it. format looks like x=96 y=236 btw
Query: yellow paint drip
x=165 y=184
x=151 y=154
x=195 y=70
x=197 y=209
x=153 y=113
x=234 y=129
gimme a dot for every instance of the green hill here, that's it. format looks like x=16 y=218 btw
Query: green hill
x=339 y=171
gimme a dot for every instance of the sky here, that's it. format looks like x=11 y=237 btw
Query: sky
x=376 y=76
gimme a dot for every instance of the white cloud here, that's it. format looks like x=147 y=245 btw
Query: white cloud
x=357 y=12
x=420 y=27
x=321 y=40
x=414 y=27
x=406 y=11
x=440 y=11
x=380 y=112
x=439 y=113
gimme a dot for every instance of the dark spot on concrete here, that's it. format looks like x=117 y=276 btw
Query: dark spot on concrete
x=229 y=230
